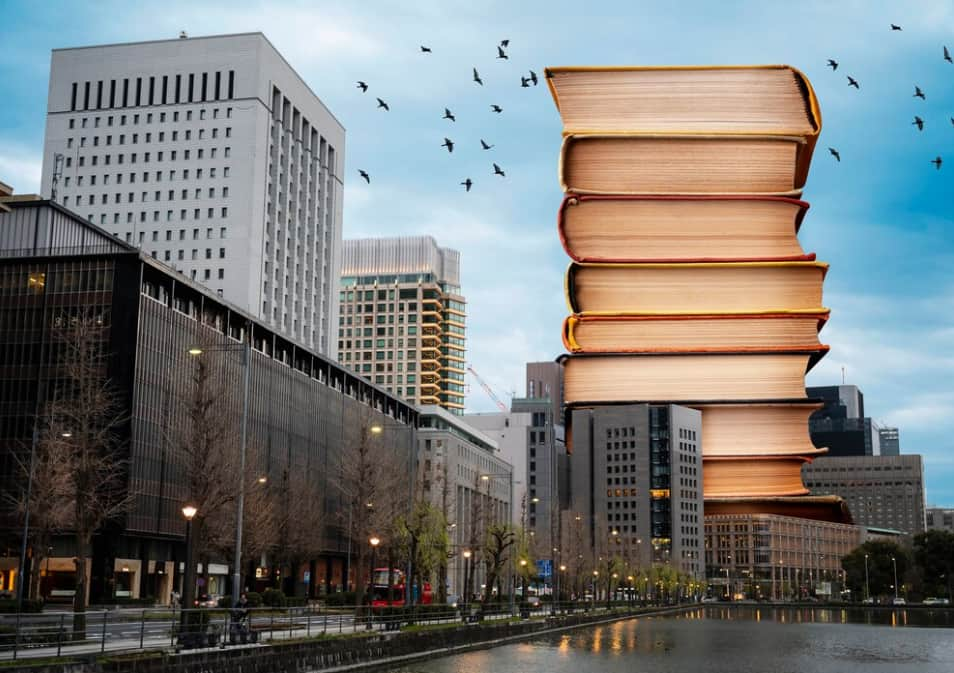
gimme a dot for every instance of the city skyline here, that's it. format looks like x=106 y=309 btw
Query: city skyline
x=877 y=216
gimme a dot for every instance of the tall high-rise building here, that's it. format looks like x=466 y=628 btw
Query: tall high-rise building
x=402 y=322
x=545 y=381
x=212 y=155
x=881 y=491
x=841 y=425
x=636 y=486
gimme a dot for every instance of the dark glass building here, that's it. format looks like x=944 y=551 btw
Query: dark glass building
x=841 y=425
x=304 y=411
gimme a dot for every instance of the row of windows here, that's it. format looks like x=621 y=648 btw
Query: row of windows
x=183 y=214
x=144 y=198
x=134 y=119
x=147 y=138
x=135 y=92
x=160 y=156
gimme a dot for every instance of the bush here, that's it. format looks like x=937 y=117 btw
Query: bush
x=296 y=601
x=29 y=605
x=273 y=598
x=148 y=601
x=254 y=599
x=341 y=598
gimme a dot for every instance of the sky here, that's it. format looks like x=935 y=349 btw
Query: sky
x=883 y=217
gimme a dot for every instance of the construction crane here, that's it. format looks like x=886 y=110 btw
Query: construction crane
x=488 y=390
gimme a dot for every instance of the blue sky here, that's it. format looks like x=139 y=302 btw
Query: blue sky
x=883 y=218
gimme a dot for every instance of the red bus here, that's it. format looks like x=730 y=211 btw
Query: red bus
x=379 y=589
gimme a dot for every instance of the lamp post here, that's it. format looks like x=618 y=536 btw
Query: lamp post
x=895 y=564
x=374 y=548
x=867 y=587
x=466 y=592
x=246 y=349
x=188 y=590
x=559 y=583
x=523 y=583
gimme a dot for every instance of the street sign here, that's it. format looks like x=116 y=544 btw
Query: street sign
x=545 y=568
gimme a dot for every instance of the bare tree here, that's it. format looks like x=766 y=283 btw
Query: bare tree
x=370 y=477
x=207 y=446
x=299 y=522
x=88 y=408
x=48 y=504
x=499 y=539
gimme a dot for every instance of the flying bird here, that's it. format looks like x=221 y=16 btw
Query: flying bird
x=952 y=121
x=524 y=82
x=533 y=78
x=448 y=115
x=501 y=53
x=496 y=108
x=449 y=144
x=937 y=162
x=833 y=63
x=381 y=103
x=363 y=87
x=947 y=55
x=895 y=26
x=468 y=183
x=484 y=145
x=505 y=43
x=918 y=122
x=364 y=174
x=918 y=93
x=499 y=171
x=852 y=81
x=425 y=50
x=835 y=154
x=477 y=78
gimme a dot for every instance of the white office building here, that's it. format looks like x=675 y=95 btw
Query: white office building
x=214 y=156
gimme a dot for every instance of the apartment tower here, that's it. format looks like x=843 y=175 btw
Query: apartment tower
x=212 y=155
x=402 y=318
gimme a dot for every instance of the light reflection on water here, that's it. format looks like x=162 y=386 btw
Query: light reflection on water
x=718 y=639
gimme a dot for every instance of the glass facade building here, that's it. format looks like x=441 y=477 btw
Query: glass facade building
x=304 y=410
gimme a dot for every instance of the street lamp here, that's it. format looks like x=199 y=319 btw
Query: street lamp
x=246 y=349
x=523 y=581
x=188 y=591
x=466 y=592
x=374 y=548
x=867 y=588
x=895 y=564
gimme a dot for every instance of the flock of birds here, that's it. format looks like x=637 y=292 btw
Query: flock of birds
x=527 y=81
x=918 y=93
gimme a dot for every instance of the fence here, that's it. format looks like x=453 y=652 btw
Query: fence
x=53 y=634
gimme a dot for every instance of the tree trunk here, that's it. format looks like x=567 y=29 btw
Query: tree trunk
x=79 y=598
x=442 y=581
x=37 y=562
x=391 y=575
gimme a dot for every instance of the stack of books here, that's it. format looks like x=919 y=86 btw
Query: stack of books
x=688 y=284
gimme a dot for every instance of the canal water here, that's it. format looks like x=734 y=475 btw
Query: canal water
x=716 y=639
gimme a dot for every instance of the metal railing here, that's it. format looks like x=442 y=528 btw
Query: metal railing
x=54 y=634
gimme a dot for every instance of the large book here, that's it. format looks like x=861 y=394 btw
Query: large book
x=758 y=429
x=710 y=333
x=636 y=163
x=668 y=107
x=597 y=228
x=774 y=99
x=685 y=378
x=819 y=507
x=705 y=288
x=745 y=476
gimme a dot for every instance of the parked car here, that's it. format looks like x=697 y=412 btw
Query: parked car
x=208 y=601
x=899 y=601
x=533 y=601
x=936 y=601
x=453 y=600
x=868 y=601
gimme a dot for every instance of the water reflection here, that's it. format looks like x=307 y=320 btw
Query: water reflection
x=736 y=639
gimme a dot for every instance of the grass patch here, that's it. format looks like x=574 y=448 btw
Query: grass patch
x=36 y=663
x=134 y=656
x=322 y=636
x=417 y=628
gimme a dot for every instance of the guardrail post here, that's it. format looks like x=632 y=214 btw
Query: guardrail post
x=142 y=629
x=308 y=625
x=59 y=635
x=103 y=645
x=172 y=628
